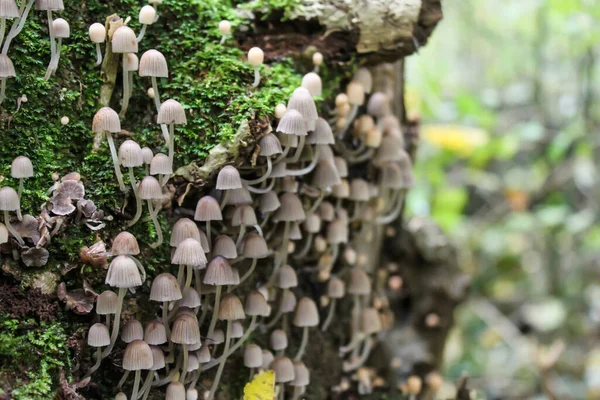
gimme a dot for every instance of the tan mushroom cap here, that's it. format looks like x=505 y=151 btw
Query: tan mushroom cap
x=284 y=369
x=208 y=209
x=149 y=188
x=161 y=164
x=183 y=229
x=253 y=356
x=278 y=340
x=130 y=154
x=256 y=304
x=125 y=244
x=165 y=288
x=228 y=178
x=155 y=333
x=224 y=246
x=21 y=167
x=306 y=313
x=301 y=374
x=7 y=68
x=124 y=40
x=123 y=273
x=292 y=123
x=132 y=330
x=137 y=356
x=185 y=330
x=171 y=112
x=106 y=120
x=189 y=252
x=219 y=272
x=231 y=308
x=106 y=303
x=98 y=335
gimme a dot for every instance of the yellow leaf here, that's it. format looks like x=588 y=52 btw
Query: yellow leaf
x=262 y=387
x=458 y=139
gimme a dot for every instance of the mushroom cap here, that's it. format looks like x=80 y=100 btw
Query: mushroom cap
x=130 y=154
x=208 y=209
x=256 y=56
x=289 y=183
x=287 y=278
x=190 y=299
x=155 y=333
x=370 y=321
x=219 y=272
x=228 y=178
x=336 y=289
x=97 y=32
x=106 y=120
x=158 y=358
x=278 y=340
x=61 y=28
x=365 y=78
x=123 y=273
x=132 y=330
x=106 y=303
x=306 y=313
x=189 y=252
x=341 y=191
x=224 y=246
x=325 y=175
x=292 y=123
x=175 y=391
x=217 y=337
x=268 y=202
x=312 y=83
x=253 y=357
x=359 y=283
x=137 y=356
x=21 y=167
x=342 y=166
x=203 y=354
x=284 y=369
x=359 y=190
x=322 y=133
x=204 y=241
x=133 y=62
x=161 y=164
x=391 y=149
x=255 y=246
x=9 y=9
x=280 y=109
x=301 y=374
x=378 y=104
x=317 y=58
x=256 y=304
x=267 y=359
x=124 y=40
x=231 y=308
x=52 y=5
x=183 y=229
x=7 y=69
x=279 y=170
x=391 y=176
x=193 y=363
x=147 y=155
x=125 y=244
x=269 y=145
x=291 y=209
x=337 y=231
x=302 y=101
x=356 y=93
x=225 y=27
x=153 y=63
x=185 y=330
x=121 y=396
x=325 y=152
x=327 y=211
x=288 y=301
x=171 y=112
x=239 y=196
x=98 y=335
x=147 y=15
x=243 y=215
x=390 y=124
x=165 y=288
x=312 y=223
x=149 y=188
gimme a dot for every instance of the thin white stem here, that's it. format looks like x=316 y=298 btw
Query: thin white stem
x=317 y=202
x=223 y=358
x=213 y=320
x=265 y=175
x=233 y=348
x=136 y=384
x=283 y=155
x=20 y=192
x=171 y=142
x=298 y=152
x=249 y=272
x=138 y=200
x=18 y=24
x=98 y=54
x=386 y=219
x=302 y=348
x=115 y=158
x=252 y=189
x=52 y=43
x=2 y=89
x=330 y=315
x=145 y=391
x=185 y=363
x=350 y=366
x=2 y=28
x=116 y=324
x=163 y=127
x=142 y=33
x=125 y=102
x=306 y=248
x=154 y=218
x=309 y=168
x=11 y=229
x=349 y=120
x=256 y=76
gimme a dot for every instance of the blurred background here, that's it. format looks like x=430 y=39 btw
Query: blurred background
x=507 y=93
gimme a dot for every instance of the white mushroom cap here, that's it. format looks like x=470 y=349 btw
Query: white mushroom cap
x=225 y=27
x=7 y=69
x=106 y=120
x=137 y=356
x=155 y=333
x=183 y=229
x=153 y=63
x=130 y=154
x=133 y=62
x=21 y=167
x=147 y=15
x=189 y=252
x=306 y=313
x=253 y=357
x=97 y=33
x=284 y=369
x=61 y=28
x=280 y=109
x=301 y=374
x=147 y=155
x=171 y=112
x=98 y=335
x=53 y=5
x=9 y=9
x=106 y=303
x=317 y=58
x=9 y=199
x=256 y=56
x=161 y=164
x=165 y=288
x=228 y=178
x=292 y=123
x=208 y=209
x=302 y=101
x=312 y=82
x=124 y=40
x=132 y=330
x=123 y=273
x=149 y=188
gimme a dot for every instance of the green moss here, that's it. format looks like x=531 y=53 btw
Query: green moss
x=31 y=354
x=267 y=7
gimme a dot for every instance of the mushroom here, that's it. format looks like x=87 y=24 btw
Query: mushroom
x=161 y=165
x=106 y=122
x=317 y=59
x=146 y=17
x=280 y=109
x=21 y=168
x=124 y=41
x=97 y=34
x=61 y=30
x=147 y=156
x=49 y=6
x=158 y=362
x=292 y=124
x=301 y=379
x=98 y=337
x=365 y=78
x=312 y=225
x=165 y=289
x=185 y=332
x=290 y=211
x=9 y=201
x=284 y=373
x=356 y=98
x=302 y=101
x=137 y=356
x=130 y=156
x=132 y=330
x=254 y=248
x=225 y=29
x=256 y=57
x=231 y=309
x=8 y=9
x=218 y=273
x=306 y=316
x=154 y=65
x=171 y=113
x=242 y=217
x=253 y=358
x=19 y=22
x=228 y=179
x=106 y=304
x=149 y=189
x=189 y=253
x=336 y=289
x=207 y=210
x=359 y=284
x=7 y=70
x=278 y=341
x=370 y=324
x=312 y=83
x=269 y=147
x=129 y=67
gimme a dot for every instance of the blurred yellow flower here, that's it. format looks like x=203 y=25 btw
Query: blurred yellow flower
x=412 y=103
x=261 y=387
x=462 y=140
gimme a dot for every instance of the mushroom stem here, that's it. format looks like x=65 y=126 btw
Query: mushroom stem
x=213 y=320
x=208 y=232
x=304 y=251
x=222 y=359
x=154 y=218
x=145 y=391
x=165 y=318
x=138 y=200
x=224 y=199
x=298 y=390
x=20 y=188
x=185 y=363
x=125 y=102
x=123 y=379
x=284 y=154
x=136 y=384
x=240 y=237
x=11 y=229
x=386 y=219
x=140 y=267
x=197 y=282
x=309 y=168
x=302 y=348
x=233 y=348
x=171 y=142
x=98 y=54
x=275 y=319
x=349 y=120
x=53 y=65
x=317 y=202
x=252 y=189
x=180 y=273
x=108 y=321
x=97 y=364
x=367 y=155
x=223 y=38
x=116 y=324
x=298 y=152
x=265 y=175
x=188 y=278
x=256 y=76
x=2 y=28
x=141 y=36
x=52 y=43
x=281 y=395
x=115 y=158
x=330 y=315
x=163 y=127
x=249 y=272
x=366 y=351
x=2 y=89
x=17 y=25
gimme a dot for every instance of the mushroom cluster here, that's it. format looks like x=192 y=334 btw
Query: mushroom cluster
x=309 y=211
